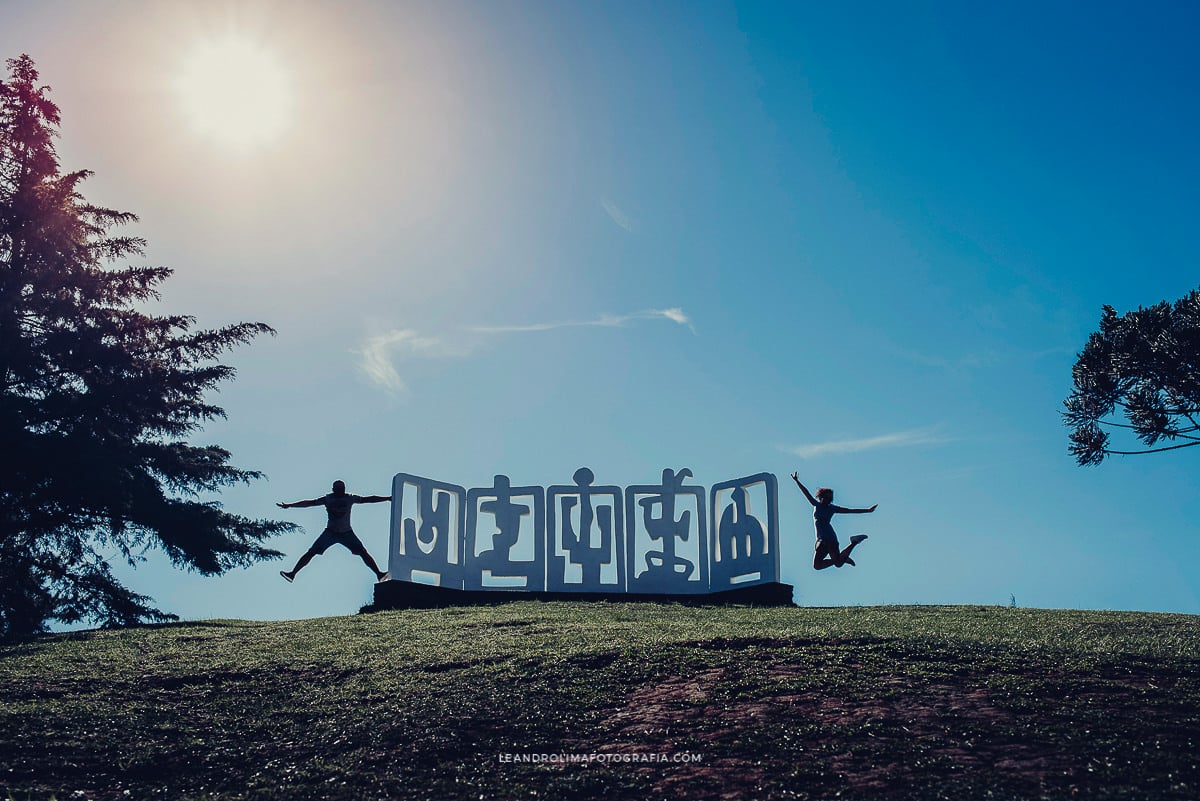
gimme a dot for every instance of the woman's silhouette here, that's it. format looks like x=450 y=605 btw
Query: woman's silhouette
x=827 y=553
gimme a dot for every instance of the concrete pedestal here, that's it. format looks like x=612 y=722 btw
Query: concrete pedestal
x=407 y=595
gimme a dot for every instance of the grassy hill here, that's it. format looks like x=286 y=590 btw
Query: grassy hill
x=730 y=703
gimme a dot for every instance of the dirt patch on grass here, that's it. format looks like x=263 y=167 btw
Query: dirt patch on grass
x=660 y=706
x=901 y=735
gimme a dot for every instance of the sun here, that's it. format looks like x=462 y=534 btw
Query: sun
x=236 y=92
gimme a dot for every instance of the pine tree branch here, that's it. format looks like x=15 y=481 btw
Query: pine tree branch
x=1153 y=450
x=1178 y=433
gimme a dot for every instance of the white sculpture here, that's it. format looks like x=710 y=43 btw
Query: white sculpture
x=513 y=556
x=668 y=545
x=588 y=538
x=743 y=552
x=586 y=535
x=427 y=531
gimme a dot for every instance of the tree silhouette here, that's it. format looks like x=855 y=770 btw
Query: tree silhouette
x=96 y=399
x=1145 y=366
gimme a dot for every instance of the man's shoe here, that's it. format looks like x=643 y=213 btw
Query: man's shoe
x=857 y=538
x=288 y=576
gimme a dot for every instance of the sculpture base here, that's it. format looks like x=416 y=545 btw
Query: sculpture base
x=395 y=594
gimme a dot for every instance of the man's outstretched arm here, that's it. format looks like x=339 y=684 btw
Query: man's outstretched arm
x=313 y=502
x=376 y=498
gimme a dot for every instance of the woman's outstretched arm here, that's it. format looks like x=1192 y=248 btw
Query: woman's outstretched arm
x=843 y=510
x=807 y=494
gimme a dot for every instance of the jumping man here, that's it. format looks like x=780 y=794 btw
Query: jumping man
x=827 y=553
x=337 y=504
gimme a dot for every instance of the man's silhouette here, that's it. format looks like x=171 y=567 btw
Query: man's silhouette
x=337 y=504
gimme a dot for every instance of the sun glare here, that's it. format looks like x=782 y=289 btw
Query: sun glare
x=235 y=92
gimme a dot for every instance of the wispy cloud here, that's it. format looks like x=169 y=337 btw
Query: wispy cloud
x=380 y=354
x=675 y=315
x=898 y=439
x=380 y=351
x=616 y=214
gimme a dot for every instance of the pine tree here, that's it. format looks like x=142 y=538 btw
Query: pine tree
x=97 y=399
x=1143 y=366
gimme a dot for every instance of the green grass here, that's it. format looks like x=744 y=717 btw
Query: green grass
x=892 y=702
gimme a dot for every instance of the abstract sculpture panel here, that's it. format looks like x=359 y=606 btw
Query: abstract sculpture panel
x=667 y=547
x=586 y=537
x=509 y=551
x=743 y=551
x=666 y=538
x=427 y=531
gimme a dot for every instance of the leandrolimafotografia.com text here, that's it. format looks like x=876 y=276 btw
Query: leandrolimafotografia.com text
x=673 y=757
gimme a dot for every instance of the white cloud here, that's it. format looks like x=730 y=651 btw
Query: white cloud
x=898 y=439
x=616 y=214
x=675 y=315
x=379 y=352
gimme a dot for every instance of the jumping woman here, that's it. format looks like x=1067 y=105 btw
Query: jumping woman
x=827 y=553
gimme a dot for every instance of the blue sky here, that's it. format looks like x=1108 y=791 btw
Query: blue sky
x=861 y=241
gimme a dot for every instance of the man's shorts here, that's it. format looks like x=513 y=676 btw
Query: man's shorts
x=347 y=538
